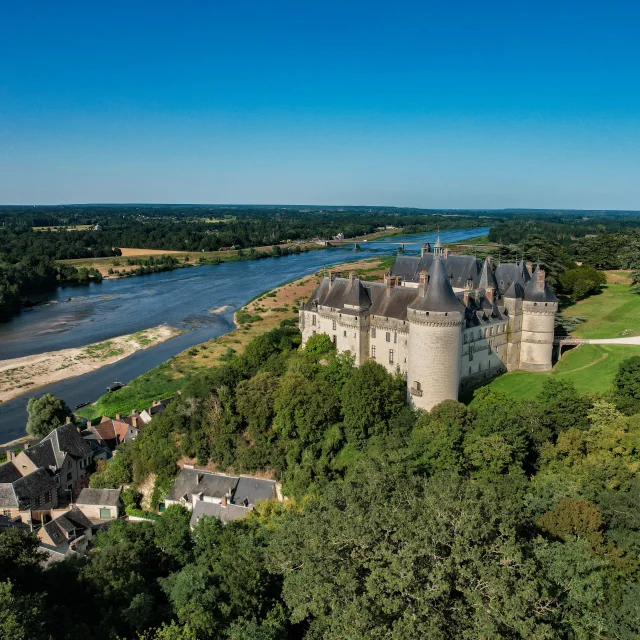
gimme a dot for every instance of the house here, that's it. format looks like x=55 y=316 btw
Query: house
x=217 y=495
x=63 y=453
x=155 y=409
x=21 y=494
x=100 y=504
x=66 y=534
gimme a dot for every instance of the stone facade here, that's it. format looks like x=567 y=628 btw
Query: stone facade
x=442 y=338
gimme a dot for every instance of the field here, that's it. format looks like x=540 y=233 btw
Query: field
x=260 y=315
x=591 y=367
x=614 y=313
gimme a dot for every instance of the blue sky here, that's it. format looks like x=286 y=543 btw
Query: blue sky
x=426 y=104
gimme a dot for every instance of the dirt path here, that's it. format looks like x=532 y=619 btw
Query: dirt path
x=632 y=340
x=22 y=375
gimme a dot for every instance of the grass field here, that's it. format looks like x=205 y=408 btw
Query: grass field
x=591 y=367
x=614 y=313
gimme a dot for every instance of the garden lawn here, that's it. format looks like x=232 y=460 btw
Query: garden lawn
x=613 y=313
x=591 y=367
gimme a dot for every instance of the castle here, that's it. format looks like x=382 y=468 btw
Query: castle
x=444 y=321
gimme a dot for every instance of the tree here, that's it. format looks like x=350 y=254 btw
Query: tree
x=45 y=414
x=582 y=281
x=173 y=534
x=561 y=406
x=385 y=555
x=370 y=398
x=627 y=385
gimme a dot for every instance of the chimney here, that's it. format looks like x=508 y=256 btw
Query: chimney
x=447 y=251
x=224 y=501
x=67 y=420
x=390 y=282
x=332 y=276
x=10 y=456
x=26 y=445
x=467 y=290
x=88 y=424
x=423 y=250
x=117 y=416
x=540 y=280
x=530 y=267
x=422 y=287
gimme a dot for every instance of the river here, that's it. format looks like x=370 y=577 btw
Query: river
x=184 y=298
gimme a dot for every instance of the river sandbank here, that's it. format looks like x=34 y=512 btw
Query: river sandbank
x=23 y=375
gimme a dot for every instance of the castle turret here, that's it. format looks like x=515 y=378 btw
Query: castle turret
x=437 y=247
x=538 y=315
x=488 y=280
x=435 y=341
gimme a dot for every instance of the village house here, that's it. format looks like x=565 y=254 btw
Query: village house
x=100 y=504
x=63 y=453
x=66 y=534
x=217 y=495
x=20 y=494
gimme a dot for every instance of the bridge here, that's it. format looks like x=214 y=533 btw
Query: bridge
x=569 y=341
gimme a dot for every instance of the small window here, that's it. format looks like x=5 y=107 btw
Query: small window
x=417 y=386
x=335 y=339
x=388 y=337
x=479 y=366
x=390 y=356
x=344 y=333
x=69 y=476
x=333 y=325
x=395 y=338
x=313 y=320
x=469 y=370
x=373 y=332
x=373 y=351
x=47 y=497
x=6 y=513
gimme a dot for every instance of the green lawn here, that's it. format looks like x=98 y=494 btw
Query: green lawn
x=591 y=367
x=613 y=313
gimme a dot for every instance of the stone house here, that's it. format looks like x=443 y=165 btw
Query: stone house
x=100 y=504
x=217 y=495
x=63 y=453
x=21 y=495
x=66 y=534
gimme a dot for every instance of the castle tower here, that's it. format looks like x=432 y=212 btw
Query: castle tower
x=538 y=315
x=513 y=299
x=435 y=341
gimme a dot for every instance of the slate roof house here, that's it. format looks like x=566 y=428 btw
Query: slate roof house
x=63 y=453
x=443 y=321
x=68 y=533
x=100 y=504
x=217 y=495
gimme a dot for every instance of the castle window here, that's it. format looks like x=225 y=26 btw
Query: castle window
x=313 y=320
x=333 y=325
x=344 y=333
x=469 y=370
x=395 y=338
x=335 y=339
x=479 y=366
x=373 y=351
x=464 y=339
x=388 y=336
x=373 y=332
x=390 y=356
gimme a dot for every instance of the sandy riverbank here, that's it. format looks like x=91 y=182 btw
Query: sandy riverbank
x=24 y=375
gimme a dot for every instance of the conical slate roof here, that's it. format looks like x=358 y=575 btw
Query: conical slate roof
x=438 y=244
x=357 y=295
x=487 y=279
x=439 y=295
x=537 y=289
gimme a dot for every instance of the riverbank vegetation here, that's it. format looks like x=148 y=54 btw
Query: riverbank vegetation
x=265 y=312
x=512 y=519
